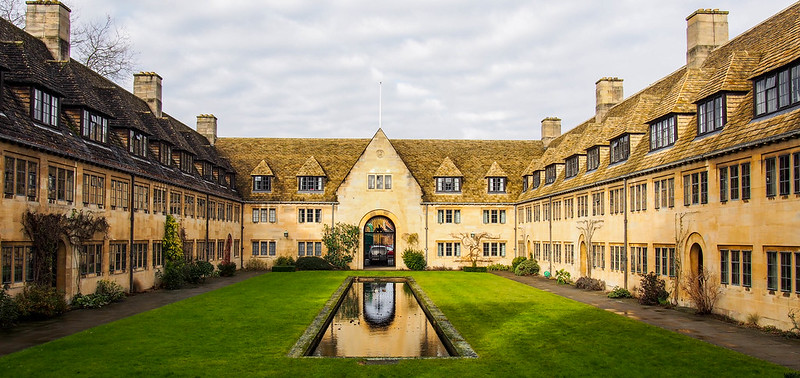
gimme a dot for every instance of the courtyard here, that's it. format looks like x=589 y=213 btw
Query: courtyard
x=249 y=327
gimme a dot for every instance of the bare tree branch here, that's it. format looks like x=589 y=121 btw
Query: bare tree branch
x=103 y=47
x=587 y=228
x=473 y=242
x=11 y=11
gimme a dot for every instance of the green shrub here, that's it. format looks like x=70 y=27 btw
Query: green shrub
x=652 y=290
x=414 y=260
x=619 y=292
x=106 y=292
x=227 y=270
x=41 y=302
x=516 y=262
x=500 y=267
x=587 y=283
x=527 y=267
x=9 y=312
x=256 y=264
x=196 y=272
x=563 y=277
x=475 y=269
x=283 y=268
x=173 y=276
x=313 y=263
x=284 y=261
x=110 y=290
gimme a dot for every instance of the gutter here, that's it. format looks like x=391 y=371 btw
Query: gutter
x=130 y=250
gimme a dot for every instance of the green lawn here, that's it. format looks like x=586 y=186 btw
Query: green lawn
x=247 y=329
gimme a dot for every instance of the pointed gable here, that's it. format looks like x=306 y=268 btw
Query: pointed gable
x=447 y=169
x=262 y=169
x=311 y=168
x=495 y=171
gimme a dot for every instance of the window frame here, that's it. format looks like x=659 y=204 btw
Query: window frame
x=448 y=184
x=620 y=149
x=663 y=132
x=769 y=96
x=716 y=106
x=496 y=185
x=310 y=184
x=262 y=183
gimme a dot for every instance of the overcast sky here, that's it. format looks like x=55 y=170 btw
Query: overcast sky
x=450 y=69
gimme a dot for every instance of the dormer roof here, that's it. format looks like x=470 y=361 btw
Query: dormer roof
x=262 y=169
x=311 y=168
x=448 y=169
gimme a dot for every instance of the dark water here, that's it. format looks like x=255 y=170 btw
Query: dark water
x=380 y=319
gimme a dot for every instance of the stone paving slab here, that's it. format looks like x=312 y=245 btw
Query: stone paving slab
x=28 y=334
x=772 y=348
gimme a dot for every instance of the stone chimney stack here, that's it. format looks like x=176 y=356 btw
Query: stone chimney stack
x=551 y=129
x=147 y=86
x=207 y=127
x=705 y=30
x=49 y=21
x=608 y=91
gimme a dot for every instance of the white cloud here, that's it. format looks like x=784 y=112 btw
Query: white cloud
x=458 y=69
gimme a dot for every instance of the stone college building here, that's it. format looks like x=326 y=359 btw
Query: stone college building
x=700 y=170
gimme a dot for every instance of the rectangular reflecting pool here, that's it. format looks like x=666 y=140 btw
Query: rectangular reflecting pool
x=377 y=318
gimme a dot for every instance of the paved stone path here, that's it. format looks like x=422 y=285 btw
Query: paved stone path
x=776 y=349
x=28 y=334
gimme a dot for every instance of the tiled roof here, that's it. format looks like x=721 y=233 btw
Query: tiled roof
x=262 y=169
x=495 y=171
x=447 y=169
x=311 y=168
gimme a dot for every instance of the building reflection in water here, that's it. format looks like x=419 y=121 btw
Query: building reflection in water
x=380 y=319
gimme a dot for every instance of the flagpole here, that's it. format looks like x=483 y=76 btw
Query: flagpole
x=380 y=104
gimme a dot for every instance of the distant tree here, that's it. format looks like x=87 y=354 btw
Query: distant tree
x=341 y=241
x=99 y=44
x=11 y=11
x=473 y=241
x=104 y=47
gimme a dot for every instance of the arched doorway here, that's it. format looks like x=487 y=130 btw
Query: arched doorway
x=379 y=242
x=696 y=259
x=583 y=258
x=60 y=267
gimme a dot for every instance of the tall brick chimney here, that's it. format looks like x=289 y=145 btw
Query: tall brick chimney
x=147 y=86
x=207 y=127
x=608 y=92
x=705 y=30
x=551 y=129
x=49 y=21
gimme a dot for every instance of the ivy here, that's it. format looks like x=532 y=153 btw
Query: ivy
x=341 y=241
x=172 y=243
x=46 y=230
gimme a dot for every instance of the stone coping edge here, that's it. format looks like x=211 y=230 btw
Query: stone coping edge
x=455 y=343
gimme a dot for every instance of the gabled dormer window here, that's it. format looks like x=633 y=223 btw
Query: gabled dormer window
x=537 y=179
x=165 y=154
x=524 y=183
x=186 y=161
x=448 y=184
x=620 y=148
x=310 y=183
x=94 y=126
x=711 y=115
x=592 y=158
x=571 y=167
x=550 y=174
x=262 y=184
x=777 y=90
x=497 y=184
x=137 y=143
x=45 y=107
x=663 y=133
x=208 y=170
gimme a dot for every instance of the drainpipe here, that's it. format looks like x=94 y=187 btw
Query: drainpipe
x=426 y=232
x=208 y=202
x=550 y=224
x=625 y=231
x=130 y=250
x=516 y=243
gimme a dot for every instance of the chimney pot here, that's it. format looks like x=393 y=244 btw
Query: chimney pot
x=49 y=21
x=207 y=127
x=706 y=29
x=147 y=86
x=551 y=129
x=608 y=92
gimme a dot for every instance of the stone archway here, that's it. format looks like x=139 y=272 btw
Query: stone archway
x=378 y=232
x=583 y=260
x=696 y=259
x=60 y=268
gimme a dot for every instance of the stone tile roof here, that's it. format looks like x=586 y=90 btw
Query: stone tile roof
x=448 y=169
x=30 y=63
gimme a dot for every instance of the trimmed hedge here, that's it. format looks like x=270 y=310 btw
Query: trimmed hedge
x=227 y=270
x=284 y=268
x=474 y=269
x=313 y=263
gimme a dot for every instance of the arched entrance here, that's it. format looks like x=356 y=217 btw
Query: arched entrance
x=59 y=267
x=379 y=242
x=583 y=259
x=696 y=259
